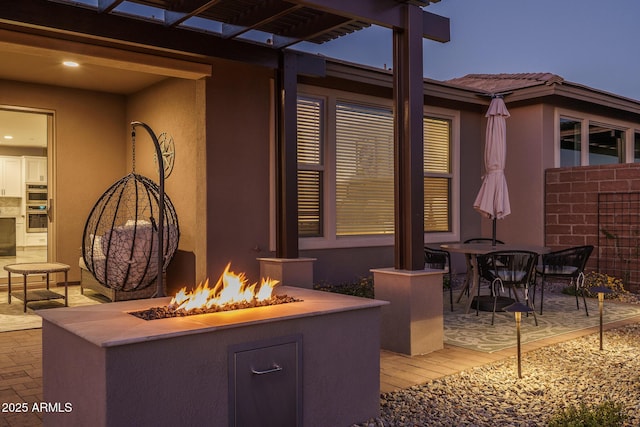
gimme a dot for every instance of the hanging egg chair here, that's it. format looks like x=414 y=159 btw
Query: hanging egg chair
x=120 y=240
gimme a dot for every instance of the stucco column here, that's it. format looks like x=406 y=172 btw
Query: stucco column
x=413 y=322
x=288 y=271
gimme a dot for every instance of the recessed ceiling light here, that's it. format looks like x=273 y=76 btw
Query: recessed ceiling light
x=71 y=64
x=8 y=137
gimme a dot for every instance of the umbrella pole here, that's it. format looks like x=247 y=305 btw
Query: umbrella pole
x=493 y=238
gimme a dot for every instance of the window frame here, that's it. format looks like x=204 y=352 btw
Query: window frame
x=318 y=167
x=628 y=128
x=329 y=239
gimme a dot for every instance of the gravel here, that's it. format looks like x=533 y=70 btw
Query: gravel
x=553 y=379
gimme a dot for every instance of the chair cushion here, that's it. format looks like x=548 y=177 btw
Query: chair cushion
x=560 y=270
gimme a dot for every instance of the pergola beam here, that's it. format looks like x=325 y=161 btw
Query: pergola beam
x=408 y=142
x=287 y=157
x=388 y=14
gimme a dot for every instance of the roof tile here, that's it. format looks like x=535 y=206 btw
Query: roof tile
x=496 y=83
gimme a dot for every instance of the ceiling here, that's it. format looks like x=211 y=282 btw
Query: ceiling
x=25 y=129
x=48 y=69
x=45 y=67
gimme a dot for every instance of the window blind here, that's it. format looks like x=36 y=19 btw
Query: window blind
x=364 y=170
x=310 y=167
x=437 y=174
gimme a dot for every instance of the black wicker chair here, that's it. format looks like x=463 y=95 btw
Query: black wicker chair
x=469 y=276
x=441 y=260
x=567 y=264
x=508 y=269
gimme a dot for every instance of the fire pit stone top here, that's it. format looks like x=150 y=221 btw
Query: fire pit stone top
x=110 y=325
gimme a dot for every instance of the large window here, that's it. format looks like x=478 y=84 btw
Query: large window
x=590 y=141
x=348 y=194
x=364 y=170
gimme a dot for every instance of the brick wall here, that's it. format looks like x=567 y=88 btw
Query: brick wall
x=571 y=202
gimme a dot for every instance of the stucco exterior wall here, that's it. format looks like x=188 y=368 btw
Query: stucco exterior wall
x=472 y=134
x=525 y=178
x=239 y=131
x=176 y=106
x=89 y=150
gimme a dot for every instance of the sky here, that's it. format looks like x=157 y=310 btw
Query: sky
x=589 y=42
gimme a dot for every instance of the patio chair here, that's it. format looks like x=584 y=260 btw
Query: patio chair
x=469 y=274
x=441 y=260
x=566 y=264
x=511 y=270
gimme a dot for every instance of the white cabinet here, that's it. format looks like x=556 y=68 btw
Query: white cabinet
x=35 y=170
x=20 y=231
x=10 y=177
x=36 y=239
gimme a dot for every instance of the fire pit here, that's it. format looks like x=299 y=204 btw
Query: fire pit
x=312 y=362
x=231 y=292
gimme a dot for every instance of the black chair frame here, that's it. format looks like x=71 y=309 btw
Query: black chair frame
x=441 y=260
x=469 y=276
x=510 y=269
x=567 y=264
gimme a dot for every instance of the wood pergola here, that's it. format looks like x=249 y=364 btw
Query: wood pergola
x=263 y=32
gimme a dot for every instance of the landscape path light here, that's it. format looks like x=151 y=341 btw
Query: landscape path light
x=518 y=308
x=600 y=290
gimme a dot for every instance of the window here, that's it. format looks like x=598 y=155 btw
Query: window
x=591 y=141
x=636 y=147
x=346 y=176
x=364 y=170
x=310 y=167
x=437 y=175
x=606 y=144
x=570 y=140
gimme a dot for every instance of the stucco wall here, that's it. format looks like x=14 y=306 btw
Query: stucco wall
x=238 y=129
x=176 y=107
x=472 y=131
x=525 y=178
x=89 y=152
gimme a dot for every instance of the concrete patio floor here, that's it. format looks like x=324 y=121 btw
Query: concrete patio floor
x=21 y=368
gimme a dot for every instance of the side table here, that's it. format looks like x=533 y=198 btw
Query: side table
x=28 y=268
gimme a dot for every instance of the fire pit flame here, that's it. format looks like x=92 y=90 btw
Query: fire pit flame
x=231 y=288
x=231 y=292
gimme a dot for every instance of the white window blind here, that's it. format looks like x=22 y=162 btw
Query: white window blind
x=362 y=195
x=437 y=174
x=364 y=170
x=310 y=167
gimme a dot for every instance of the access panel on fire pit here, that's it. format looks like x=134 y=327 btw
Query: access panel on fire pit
x=265 y=386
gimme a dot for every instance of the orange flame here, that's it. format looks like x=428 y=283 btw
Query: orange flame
x=230 y=288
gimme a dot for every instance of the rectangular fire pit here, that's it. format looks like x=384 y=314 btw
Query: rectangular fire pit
x=312 y=362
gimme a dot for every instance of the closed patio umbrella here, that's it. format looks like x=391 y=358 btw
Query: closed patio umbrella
x=493 y=198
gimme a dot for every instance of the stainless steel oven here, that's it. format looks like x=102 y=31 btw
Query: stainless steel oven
x=36 y=194
x=37 y=218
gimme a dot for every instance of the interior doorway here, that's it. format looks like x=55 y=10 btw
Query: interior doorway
x=25 y=186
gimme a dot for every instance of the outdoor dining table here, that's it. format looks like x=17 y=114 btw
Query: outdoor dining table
x=473 y=250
